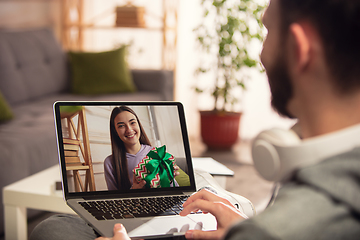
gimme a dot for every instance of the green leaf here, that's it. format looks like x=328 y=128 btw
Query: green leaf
x=250 y=62
x=231 y=37
x=241 y=84
x=198 y=90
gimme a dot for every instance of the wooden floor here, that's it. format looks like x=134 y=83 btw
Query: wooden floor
x=245 y=182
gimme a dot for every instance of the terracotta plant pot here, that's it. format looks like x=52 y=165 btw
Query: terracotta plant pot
x=219 y=130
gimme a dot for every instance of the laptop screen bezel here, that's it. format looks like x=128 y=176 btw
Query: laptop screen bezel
x=130 y=192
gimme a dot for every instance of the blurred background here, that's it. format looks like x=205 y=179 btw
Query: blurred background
x=147 y=48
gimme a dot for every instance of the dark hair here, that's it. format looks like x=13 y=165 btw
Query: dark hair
x=119 y=150
x=338 y=24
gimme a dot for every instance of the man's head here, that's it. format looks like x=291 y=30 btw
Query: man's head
x=337 y=24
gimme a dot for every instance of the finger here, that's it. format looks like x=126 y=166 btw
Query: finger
x=204 y=205
x=120 y=232
x=134 y=179
x=176 y=169
x=198 y=234
x=192 y=198
x=206 y=195
x=142 y=183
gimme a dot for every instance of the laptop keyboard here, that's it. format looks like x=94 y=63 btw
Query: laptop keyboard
x=134 y=208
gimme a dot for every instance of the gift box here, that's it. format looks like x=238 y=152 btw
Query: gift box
x=157 y=168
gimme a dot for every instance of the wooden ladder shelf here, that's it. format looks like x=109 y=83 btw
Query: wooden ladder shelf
x=77 y=150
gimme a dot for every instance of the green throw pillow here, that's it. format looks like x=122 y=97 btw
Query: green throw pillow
x=100 y=72
x=5 y=110
x=182 y=179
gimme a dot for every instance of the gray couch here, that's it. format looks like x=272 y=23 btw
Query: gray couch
x=33 y=75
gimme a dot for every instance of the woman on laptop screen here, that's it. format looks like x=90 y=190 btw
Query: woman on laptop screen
x=129 y=144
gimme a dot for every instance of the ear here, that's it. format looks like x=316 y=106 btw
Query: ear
x=301 y=45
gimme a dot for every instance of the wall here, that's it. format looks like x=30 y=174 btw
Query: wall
x=31 y=13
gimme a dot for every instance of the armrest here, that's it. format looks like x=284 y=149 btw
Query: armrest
x=161 y=81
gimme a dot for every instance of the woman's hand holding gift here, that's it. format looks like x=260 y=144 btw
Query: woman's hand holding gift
x=176 y=169
x=136 y=184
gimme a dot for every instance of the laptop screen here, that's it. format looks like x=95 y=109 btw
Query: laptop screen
x=123 y=148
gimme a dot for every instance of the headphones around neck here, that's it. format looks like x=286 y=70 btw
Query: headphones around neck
x=278 y=153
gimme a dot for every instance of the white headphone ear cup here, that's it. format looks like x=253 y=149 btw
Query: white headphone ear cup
x=280 y=137
x=265 y=156
x=266 y=159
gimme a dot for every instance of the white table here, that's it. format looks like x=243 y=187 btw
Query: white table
x=35 y=192
x=38 y=192
x=219 y=171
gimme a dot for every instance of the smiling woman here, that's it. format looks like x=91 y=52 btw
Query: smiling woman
x=129 y=144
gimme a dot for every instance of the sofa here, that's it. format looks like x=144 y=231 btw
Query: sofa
x=34 y=73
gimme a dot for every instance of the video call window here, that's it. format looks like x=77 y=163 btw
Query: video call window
x=90 y=163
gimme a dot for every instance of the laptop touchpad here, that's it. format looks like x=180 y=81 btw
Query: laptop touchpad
x=173 y=224
x=207 y=221
x=142 y=230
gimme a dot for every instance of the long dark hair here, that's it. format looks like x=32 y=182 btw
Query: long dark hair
x=119 y=150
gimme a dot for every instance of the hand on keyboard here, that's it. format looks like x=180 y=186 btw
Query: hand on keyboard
x=225 y=213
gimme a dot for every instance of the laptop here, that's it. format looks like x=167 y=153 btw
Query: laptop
x=91 y=184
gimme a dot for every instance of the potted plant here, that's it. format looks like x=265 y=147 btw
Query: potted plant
x=225 y=34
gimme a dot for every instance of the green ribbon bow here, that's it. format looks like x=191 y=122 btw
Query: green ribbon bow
x=160 y=163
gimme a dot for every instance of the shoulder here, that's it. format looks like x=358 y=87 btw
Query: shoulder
x=313 y=210
x=146 y=148
x=108 y=161
x=335 y=175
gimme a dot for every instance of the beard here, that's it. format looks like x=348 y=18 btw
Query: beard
x=280 y=86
